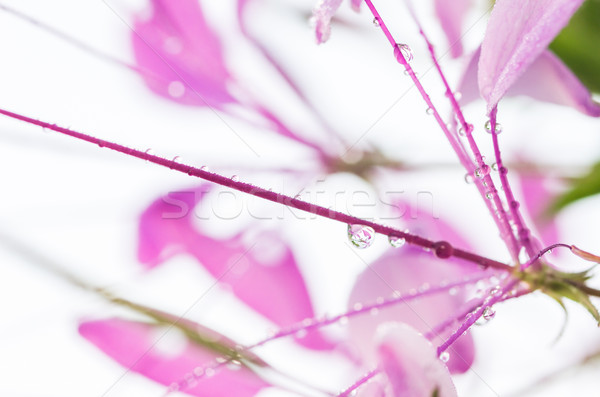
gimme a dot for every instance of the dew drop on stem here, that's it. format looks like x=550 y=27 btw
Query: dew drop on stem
x=489 y=313
x=403 y=53
x=444 y=357
x=483 y=171
x=361 y=236
x=376 y=22
x=235 y=178
x=488 y=127
x=396 y=241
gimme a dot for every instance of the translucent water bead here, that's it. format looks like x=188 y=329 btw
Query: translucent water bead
x=361 y=236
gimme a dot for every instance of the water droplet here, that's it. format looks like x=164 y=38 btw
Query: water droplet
x=209 y=372
x=489 y=195
x=406 y=73
x=445 y=356
x=234 y=365
x=358 y=306
x=343 y=320
x=376 y=22
x=488 y=127
x=301 y=334
x=429 y=111
x=221 y=360
x=489 y=313
x=468 y=178
x=403 y=53
x=453 y=291
x=443 y=249
x=396 y=241
x=176 y=89
x=204 y=168
x=514 y=204
x=235 y=178
x=495 y=166
x=424 y=287
x=458 y=95
x=483 y=171
x=361 y=236
x=374 y=311
x=198 y=371
x=379 y=300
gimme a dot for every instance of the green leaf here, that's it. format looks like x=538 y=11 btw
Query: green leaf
x=585 y=186
x=577 y=44
x=557 y=288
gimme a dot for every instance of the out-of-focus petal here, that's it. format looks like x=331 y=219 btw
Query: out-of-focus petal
x=537 y=197
x=411 y=364
x=547 y=79
x=451 y=15
x=517 y=33
x=410 y=272
x=181 y=54
x=264 y=275
x=407 y=269
x=355 y=4
x=322 y=13
x=136 y=346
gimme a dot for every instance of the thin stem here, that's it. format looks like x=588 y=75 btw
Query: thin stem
x=500 y=219
x=443 y=249
x=487 y=302
x=513 y=204
x=368 y=376
x=396 y=298
x=542 y=253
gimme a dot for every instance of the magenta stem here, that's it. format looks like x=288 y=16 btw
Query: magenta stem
x=368 y=376
x=543 y=252
x=448 y=250
x=487 y=302
x=500 y=219
x=513 y=204
x=397 y=298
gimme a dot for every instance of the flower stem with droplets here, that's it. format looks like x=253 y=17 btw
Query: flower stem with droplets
x=442 y=249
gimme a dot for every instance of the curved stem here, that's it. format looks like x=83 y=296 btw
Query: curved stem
x=445 y=249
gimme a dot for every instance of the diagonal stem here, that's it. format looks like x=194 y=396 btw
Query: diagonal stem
x=441 y=248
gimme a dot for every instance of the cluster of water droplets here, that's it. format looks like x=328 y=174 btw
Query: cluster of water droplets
x=488 y=127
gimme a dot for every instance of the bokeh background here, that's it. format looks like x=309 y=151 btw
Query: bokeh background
x=77 y=206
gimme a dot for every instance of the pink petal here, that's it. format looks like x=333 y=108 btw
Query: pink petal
x=405 y=269
x=181 y=54
x=451 y=15
x=411 y=364
x=403 y=272
x=536 y=198
x=547 y=79
x=264 y=275
x=134 y=346
x=355 y=4
x=322 y=13
x=517 y=33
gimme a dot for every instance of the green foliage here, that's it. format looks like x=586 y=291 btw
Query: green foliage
x=585 y=186
x=577 y=44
